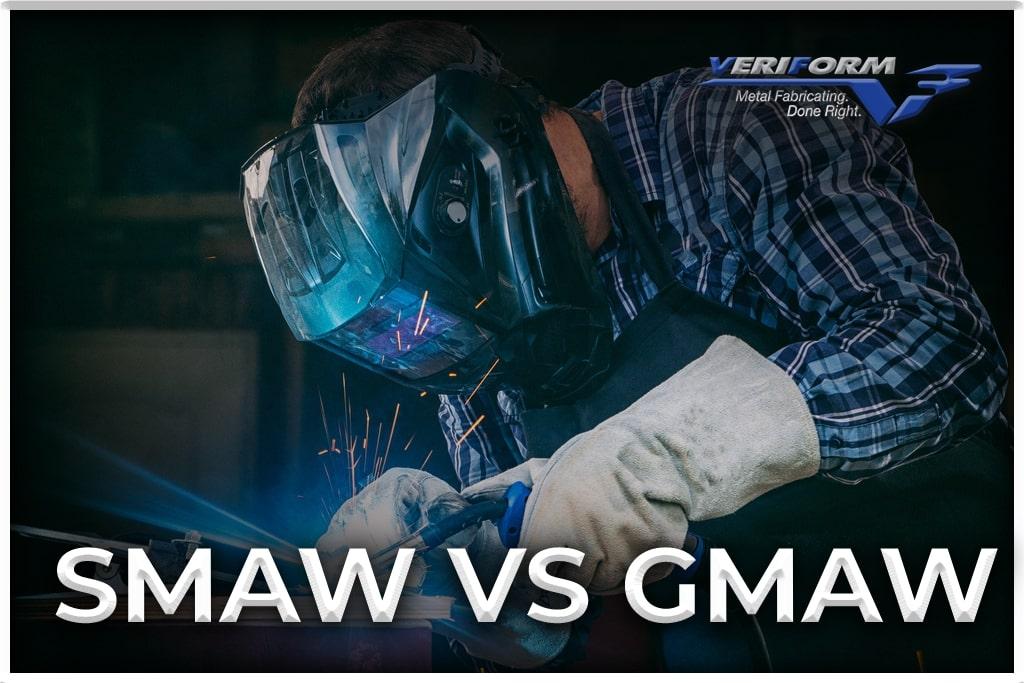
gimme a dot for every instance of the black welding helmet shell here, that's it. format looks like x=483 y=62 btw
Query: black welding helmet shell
x=432 y=239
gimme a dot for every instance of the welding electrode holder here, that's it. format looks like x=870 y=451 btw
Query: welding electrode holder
x=506 y=513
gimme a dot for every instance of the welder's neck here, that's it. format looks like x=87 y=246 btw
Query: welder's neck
x=577 y=167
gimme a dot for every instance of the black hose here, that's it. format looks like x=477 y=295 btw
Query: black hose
x=438 y=532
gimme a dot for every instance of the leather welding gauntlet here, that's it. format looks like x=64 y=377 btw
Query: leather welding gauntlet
x=725 y=429
x=388 y=510
x=402 y=501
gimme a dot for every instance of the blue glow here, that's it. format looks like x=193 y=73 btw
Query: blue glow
x=185 y=511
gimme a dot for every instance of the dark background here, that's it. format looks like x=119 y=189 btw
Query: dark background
x=157 y=388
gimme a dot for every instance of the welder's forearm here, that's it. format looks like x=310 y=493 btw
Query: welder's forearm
x=900 y=356
x=897 y=382
x=474 y=433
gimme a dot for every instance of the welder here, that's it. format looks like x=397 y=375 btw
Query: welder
x=651 y=308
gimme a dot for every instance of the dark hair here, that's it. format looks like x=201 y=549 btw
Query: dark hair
x=389 y=59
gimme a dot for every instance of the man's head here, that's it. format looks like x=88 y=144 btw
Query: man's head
x=419 y=218
x=389 y=59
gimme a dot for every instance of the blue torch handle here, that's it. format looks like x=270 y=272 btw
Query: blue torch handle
x=510 y=524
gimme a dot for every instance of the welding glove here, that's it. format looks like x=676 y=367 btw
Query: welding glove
x=725 y=429
x=398 y=503
x=402 y=501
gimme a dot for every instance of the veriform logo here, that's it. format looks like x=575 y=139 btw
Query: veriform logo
x=787 y=75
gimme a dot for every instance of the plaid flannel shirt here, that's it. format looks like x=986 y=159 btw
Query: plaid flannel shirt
x=811 y=225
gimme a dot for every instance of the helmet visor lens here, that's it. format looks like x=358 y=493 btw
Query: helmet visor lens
x=326 y=204
x=328 y=207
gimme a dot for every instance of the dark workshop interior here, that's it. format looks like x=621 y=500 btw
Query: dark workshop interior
x=156 y=387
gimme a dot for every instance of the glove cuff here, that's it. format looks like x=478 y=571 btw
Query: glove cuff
x=745 y=423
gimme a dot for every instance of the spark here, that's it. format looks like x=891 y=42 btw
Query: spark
x=480 y=303
x=398 y=334
x=323 y=414
x=422 y=327
x=419 y=316
x=426 y=459
x=366 y=434
x=347 y=407
x=348 y=415
x=376 y=450
x=391 y=435
x=422 y=394
x=453 y=374
x=344 y=448
x=211 y=258
x=352 y=468
x=469 y=431
x=483 y=379
x=364 y=467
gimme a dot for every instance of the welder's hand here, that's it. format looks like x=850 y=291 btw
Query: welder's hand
x=725 y=429
x=400 y=502
x=514 y=640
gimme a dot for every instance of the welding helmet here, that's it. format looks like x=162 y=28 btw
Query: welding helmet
x=431 y=238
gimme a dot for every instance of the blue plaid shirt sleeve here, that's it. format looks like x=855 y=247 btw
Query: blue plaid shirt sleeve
x=901 y=358
x=483 y=435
